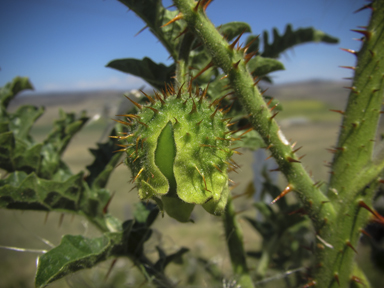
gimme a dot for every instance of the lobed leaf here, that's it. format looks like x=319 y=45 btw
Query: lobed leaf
x=75 y=253
x=154 y=74
x=291 y=38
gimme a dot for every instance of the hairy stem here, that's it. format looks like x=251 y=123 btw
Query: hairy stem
x=354 y=177
x=234 y=238
x=232 y=63
x=182 y=62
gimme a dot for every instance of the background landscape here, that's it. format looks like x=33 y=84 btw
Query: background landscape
x=314 y=127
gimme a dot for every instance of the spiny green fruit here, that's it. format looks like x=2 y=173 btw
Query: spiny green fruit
x=178 y=148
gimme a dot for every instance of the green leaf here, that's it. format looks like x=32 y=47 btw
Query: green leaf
x=22 y=120
x=154 y=74
x=260 y=66
x=233 y=29
x=104 y=163
x=11 y=89
x=291 y=38
x=155 y=15
x=164 y=259
x=28 y=192
x=252 y=140
x=57 y=141
x=75 y=253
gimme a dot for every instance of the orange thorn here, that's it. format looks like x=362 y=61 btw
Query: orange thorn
x=333 y=151
x=105 y=209
x=262 y=93
x=249 y=56
x=128 y=115
x=368 y=6
x=159 y=98
x=336 y=276
x=149 y=97
x=367 y=34
x=310 y=284
x=176 y=120
x=228 y=109
x=250 y=43
x=110 y=269
x=120 y=150
x=217 y=168
x=193 y=108
x=181 y=33
x=348 y=67
x=257 y=82
x=133 y=102
x=273 y=107
x=138 y=174
x=337 y=111
x=301 y=157
x=348 y=243
x=205 y=183
x=217 y=101
x=179 y=92
x=249 y=130
x=236 y=40
x=353 y=88
x=210 y=64
x=141 y=30
x=178 y=17
x=122 y=137
x=357 y=280
x=349 y=51
x=206 y=5
x=122 y=122
x=290 y=159
x=197 y=91
x=274 y=115
x=235 y=65
x=142 y=123
x=214 y=113
x=282 y=194
x=375 y=213
x=153 y=109
x=270 y=101
x=203 y=94
x=274 y=170
x=197 y=6
x=294 y=151
x=300 y=211
x=46 y=218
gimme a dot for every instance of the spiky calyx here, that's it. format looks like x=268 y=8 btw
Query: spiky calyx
x=178 y=149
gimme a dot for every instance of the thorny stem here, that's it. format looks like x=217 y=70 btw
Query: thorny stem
x=261 y=118
x=182 y=61
x=234 y=238
x=355 y=170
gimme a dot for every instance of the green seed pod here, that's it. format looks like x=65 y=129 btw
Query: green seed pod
x=178 y=151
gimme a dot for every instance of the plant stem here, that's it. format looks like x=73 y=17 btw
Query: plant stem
x=234 y=238
x=354 y=177
x=232 y=63
x=182 y=61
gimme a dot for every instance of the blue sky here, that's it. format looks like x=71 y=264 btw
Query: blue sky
x=64 y=45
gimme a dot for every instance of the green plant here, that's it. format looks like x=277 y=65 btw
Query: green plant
x=180 y=143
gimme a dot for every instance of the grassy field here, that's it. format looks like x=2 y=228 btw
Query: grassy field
x=204 y=238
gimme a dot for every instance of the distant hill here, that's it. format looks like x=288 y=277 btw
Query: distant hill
x=332 y=93
x=106 y=102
